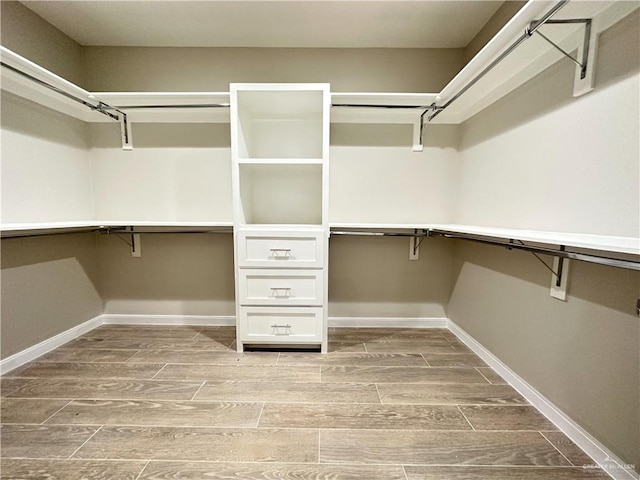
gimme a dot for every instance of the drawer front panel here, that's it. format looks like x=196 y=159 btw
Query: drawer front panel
x=281 y=325
x=281 y=287
x=259 y=249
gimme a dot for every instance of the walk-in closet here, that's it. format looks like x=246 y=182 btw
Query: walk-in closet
x=394 y=240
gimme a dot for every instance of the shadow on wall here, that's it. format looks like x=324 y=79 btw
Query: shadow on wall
x=392 y=135
x=614 y=288
x=24 y=251
x=163 y=135
x=618 y=58
x=193 y=270
x=33 y=120
x=375 y=271
x=49 y=284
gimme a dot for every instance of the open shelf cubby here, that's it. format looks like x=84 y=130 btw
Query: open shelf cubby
x=280 y=125
x=281 y=194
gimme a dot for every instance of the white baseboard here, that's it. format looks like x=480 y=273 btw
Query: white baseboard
x=611 y=464
x=389 y=322
x=31 y=353
x=195 y=320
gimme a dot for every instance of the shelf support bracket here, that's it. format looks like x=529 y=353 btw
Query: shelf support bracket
x=415 y=242
x=560 y=281
x=586 y=52
x=125 y=130
x=125 y=124
x=419 y=127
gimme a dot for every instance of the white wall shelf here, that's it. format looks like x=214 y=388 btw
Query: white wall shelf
x=530 y=58
x=627 y=248
x=604 y=243
x=46 y=228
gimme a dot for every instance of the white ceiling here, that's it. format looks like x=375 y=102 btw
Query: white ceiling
x=269 y=23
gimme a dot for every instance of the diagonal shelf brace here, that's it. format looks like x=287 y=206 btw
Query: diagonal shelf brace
x=121 y=117
x=586 y=52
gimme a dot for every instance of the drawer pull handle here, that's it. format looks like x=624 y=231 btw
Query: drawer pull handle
x=281 y=292
x=278 y=327
x=280 y=253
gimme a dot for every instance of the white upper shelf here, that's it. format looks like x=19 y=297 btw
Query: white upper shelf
x=531 y=57
x=528 y=59
x=43 y=228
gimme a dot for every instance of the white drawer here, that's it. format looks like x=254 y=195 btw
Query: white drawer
x=280 y=249
x=281 y=287
x=281 y=324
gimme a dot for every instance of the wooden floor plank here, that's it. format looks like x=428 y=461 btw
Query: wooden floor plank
x=108 y=389
x=453 y=360
x=491 y=376
x=414 y=346
x=502 y=473
x=437 y=448
x=569 y=449
x=84 y=355
x=87 y=370
x=249 y=373
x=277 y=391
x=353 y=359
x=148 y=343
x=205 y=357
x=390 y=334
x=144 y=332
x=147 y=412
x=9 y=385
x=346 y=347
x=252 y=471
x=363 y=416
x=401 y=375
x=24 y=410
x=449 y=393
x=14 y=469
x=208 y=444
x=43 y=441
x=506 y=417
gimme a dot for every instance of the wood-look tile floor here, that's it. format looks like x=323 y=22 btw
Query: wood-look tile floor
x=137 y=403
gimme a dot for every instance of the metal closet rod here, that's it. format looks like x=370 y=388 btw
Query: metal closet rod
x=584 y=257
x=527 y=34
x=120 y=230
x=371 y=105
x=363 y=233
x=187 y=105
x=227 y=105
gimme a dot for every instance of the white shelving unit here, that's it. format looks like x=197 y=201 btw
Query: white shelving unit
x=280 y=154
x=280 y=132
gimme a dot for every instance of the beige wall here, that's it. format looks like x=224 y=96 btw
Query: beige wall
x=29 y=35
x=373 y=277
x=582 y=354
x=212 y=69
x=178 y=274
x=541 y=159
x=49 y=284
